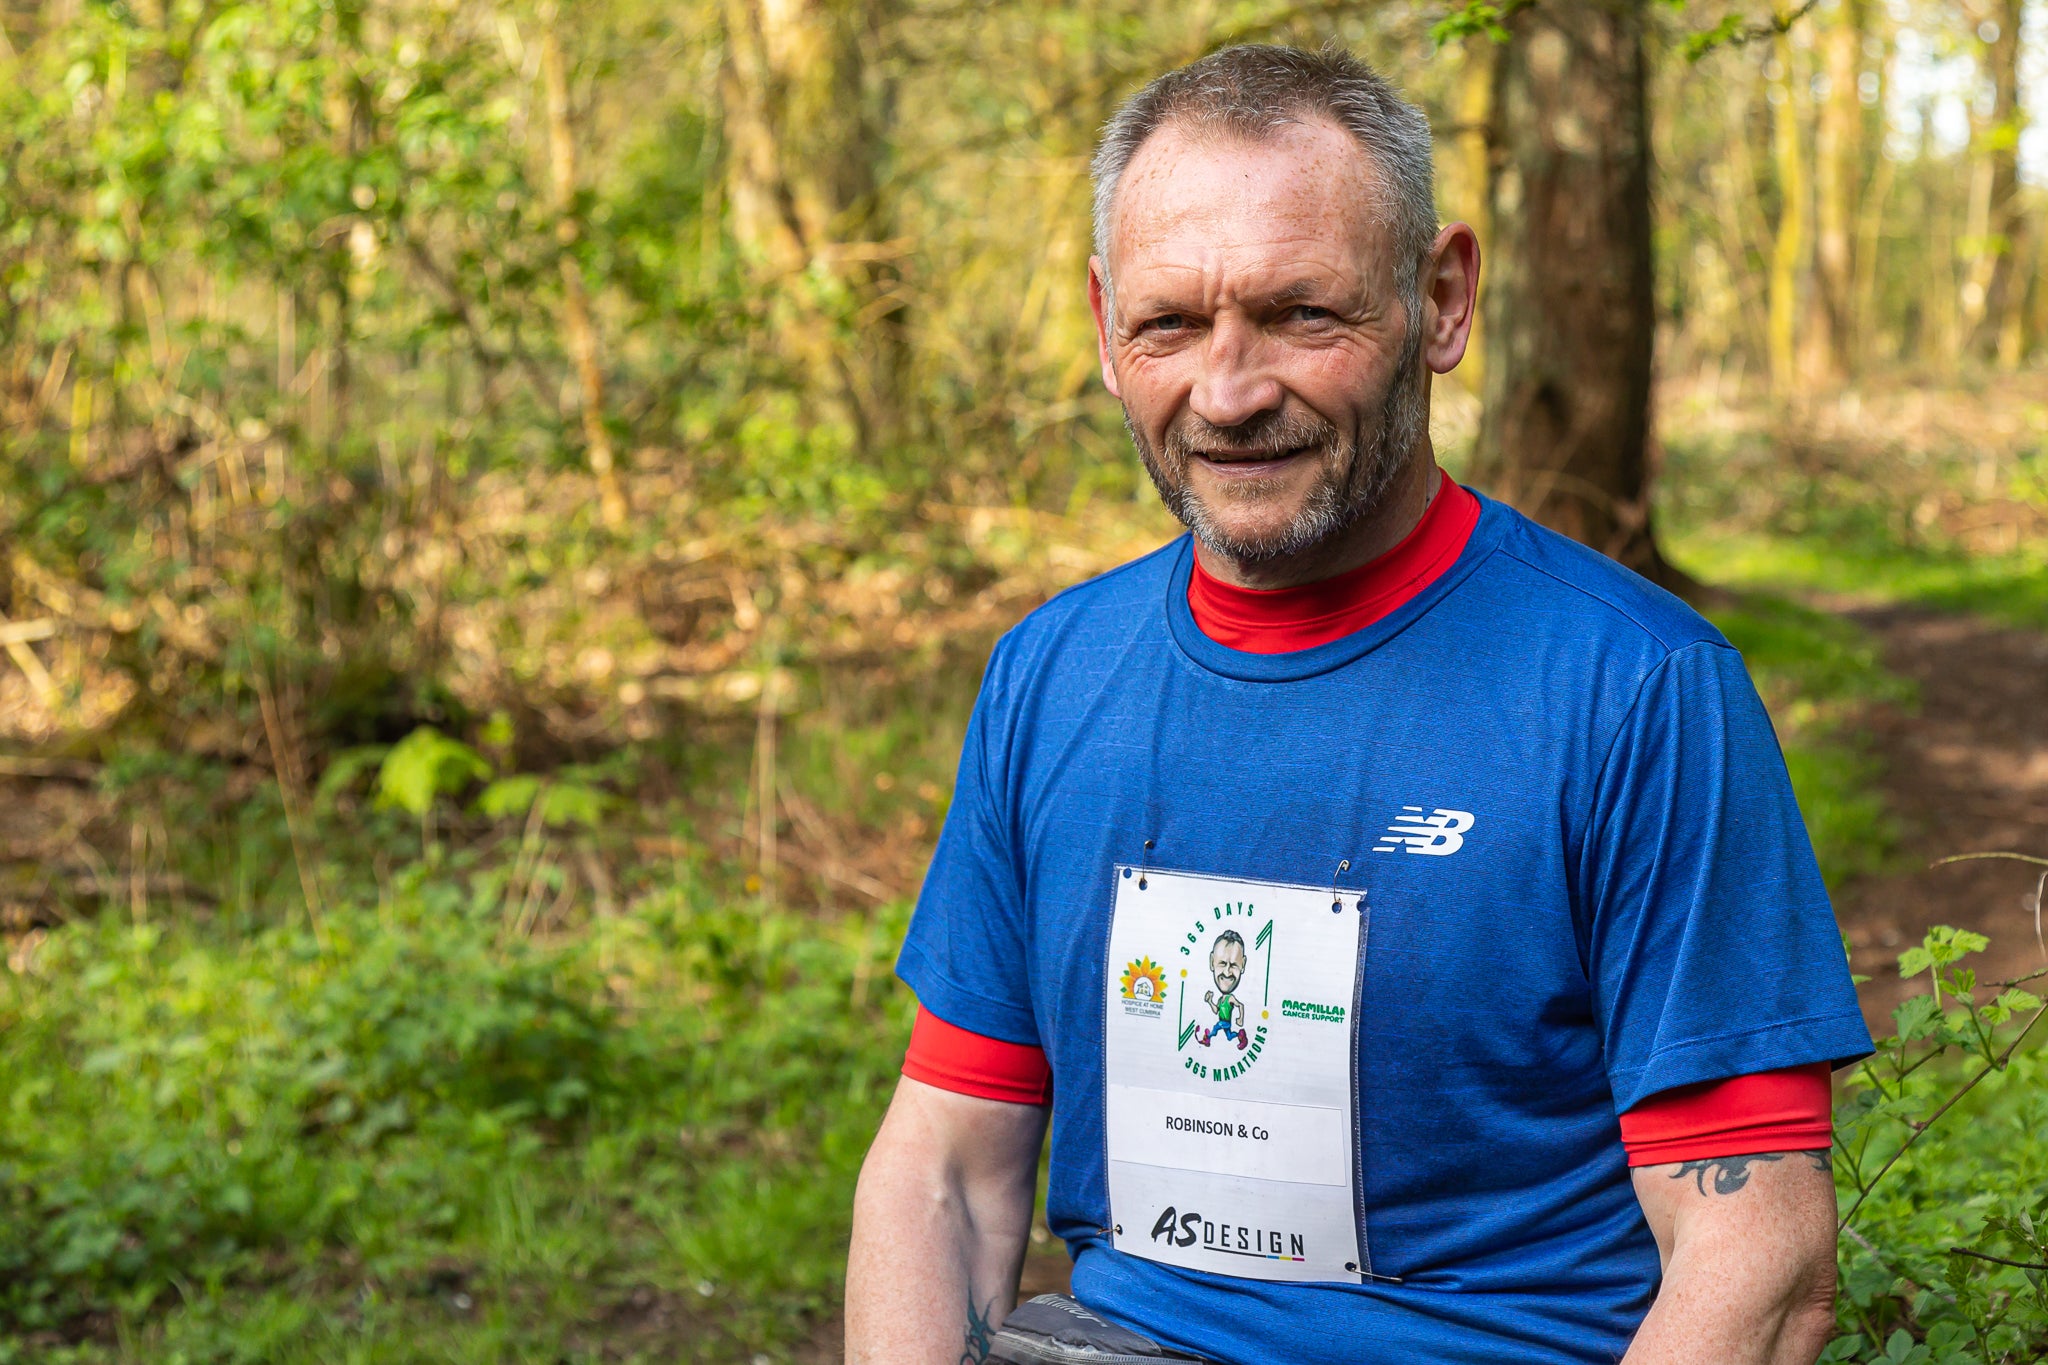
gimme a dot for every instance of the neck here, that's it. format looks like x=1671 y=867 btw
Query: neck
x=1383 y=527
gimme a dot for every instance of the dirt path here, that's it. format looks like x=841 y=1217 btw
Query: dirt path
x=1966 y=772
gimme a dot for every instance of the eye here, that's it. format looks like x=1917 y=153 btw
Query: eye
x=1308 y=312
x=1165 y=322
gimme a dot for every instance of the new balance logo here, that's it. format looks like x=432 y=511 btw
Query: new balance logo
x=1440 y=833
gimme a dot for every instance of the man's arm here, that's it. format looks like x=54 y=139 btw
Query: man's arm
x=940 y=1223
x=1748 y=1248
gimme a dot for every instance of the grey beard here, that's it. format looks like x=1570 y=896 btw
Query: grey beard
x=1356 y=475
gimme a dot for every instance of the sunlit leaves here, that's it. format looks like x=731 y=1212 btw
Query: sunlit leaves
x=424 y=766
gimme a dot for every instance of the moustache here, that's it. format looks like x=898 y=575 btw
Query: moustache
x=1265 y=436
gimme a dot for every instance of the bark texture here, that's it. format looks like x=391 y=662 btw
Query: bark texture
x=1995 y=333
x=1570 y=305
x=808 y=106
x=1838 y=155
x=578 y=327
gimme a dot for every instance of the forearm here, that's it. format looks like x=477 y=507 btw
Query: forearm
x=1749 y=1269
x=939 y=1231
x=1718 y=1305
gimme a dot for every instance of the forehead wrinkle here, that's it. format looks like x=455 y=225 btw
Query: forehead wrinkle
x=1330 y=166
x=1185 y=197
x=1170 y=284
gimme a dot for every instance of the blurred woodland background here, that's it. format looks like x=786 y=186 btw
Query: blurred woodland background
x=503 y=506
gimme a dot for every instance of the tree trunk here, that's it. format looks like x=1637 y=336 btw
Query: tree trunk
x=1837 y=163
x=806 y=125
x=1570 y=310
x=1788 y=246
x=578 y=328
x=1995 y=334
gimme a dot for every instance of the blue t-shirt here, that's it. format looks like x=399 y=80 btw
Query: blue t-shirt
x=1615 y=896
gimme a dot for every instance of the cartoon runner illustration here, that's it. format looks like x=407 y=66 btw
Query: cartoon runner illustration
x=1226 y=964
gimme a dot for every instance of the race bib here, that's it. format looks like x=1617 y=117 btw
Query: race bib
x=1228 y=1059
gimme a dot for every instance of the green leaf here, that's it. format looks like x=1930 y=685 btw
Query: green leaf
x=573 y=803
x=2010 y=1002
x=509 y=796
x=425 y=765
x=1699 y=45
x=1942 y=946
x=1918 y=1017
x=345 y=768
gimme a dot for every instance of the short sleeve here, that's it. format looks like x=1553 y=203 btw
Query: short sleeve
x=1711 y=946
x=966 y=955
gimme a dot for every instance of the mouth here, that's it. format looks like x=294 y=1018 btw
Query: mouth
x=1249 y=464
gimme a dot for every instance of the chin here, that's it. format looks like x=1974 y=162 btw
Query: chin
x=1248 y=539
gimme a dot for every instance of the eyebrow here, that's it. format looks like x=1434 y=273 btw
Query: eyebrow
x=1294 y=291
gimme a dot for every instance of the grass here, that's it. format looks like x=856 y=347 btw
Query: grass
x=2008 y=588
x=1819 y=675
x=1776 y=511
x=414 y=1139
x=1789 y=523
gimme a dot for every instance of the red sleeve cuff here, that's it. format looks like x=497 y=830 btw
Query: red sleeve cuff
x=968 y=1064
x=1773 y=1111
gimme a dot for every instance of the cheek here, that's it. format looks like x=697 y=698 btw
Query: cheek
x=1334 y=377
x=1155 y=382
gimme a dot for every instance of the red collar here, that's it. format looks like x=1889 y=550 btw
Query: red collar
x=1279 y=620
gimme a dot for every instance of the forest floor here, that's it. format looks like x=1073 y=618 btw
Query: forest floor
x=1964 y=771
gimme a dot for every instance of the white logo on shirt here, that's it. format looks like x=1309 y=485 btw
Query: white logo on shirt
x=1440 y=833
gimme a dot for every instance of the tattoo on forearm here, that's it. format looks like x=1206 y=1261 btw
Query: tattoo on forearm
x=1731 y=1173
x=980 y=1332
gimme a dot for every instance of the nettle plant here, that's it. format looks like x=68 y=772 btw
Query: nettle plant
x=1941 y=1162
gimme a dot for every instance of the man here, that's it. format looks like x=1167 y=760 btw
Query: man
x=1226 y=968
x=1541 y=980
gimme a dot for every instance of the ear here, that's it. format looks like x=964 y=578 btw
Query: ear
x=1450 y=297
x=1098 y=303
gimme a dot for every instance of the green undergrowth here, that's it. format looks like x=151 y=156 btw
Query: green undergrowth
x=2009 y=588
x=1783 y=514
x=419 y=1136
x=1941 y=1169
x=1820 y=675
x=1981 y=1170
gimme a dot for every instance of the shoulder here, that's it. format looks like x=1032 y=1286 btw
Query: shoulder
x=1081 y=640
x=1109 y=611
x=1588 y=594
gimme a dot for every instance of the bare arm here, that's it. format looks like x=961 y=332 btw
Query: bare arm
x=1748 y=1247
x=940 y=1222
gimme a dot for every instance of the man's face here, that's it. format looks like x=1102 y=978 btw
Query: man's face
x=1270 y=377
x=1226 y=964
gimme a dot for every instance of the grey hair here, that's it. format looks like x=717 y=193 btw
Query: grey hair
x=1254 y=90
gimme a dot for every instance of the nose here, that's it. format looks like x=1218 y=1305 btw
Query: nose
x=1235 y=385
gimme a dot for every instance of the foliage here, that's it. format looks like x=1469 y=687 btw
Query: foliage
x=431 y=1131
x=426 y=765
x=303 y=451
x=1938 y=501
x=1941 y=1164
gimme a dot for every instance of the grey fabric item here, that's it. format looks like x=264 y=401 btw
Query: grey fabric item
x=1053 y=1329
